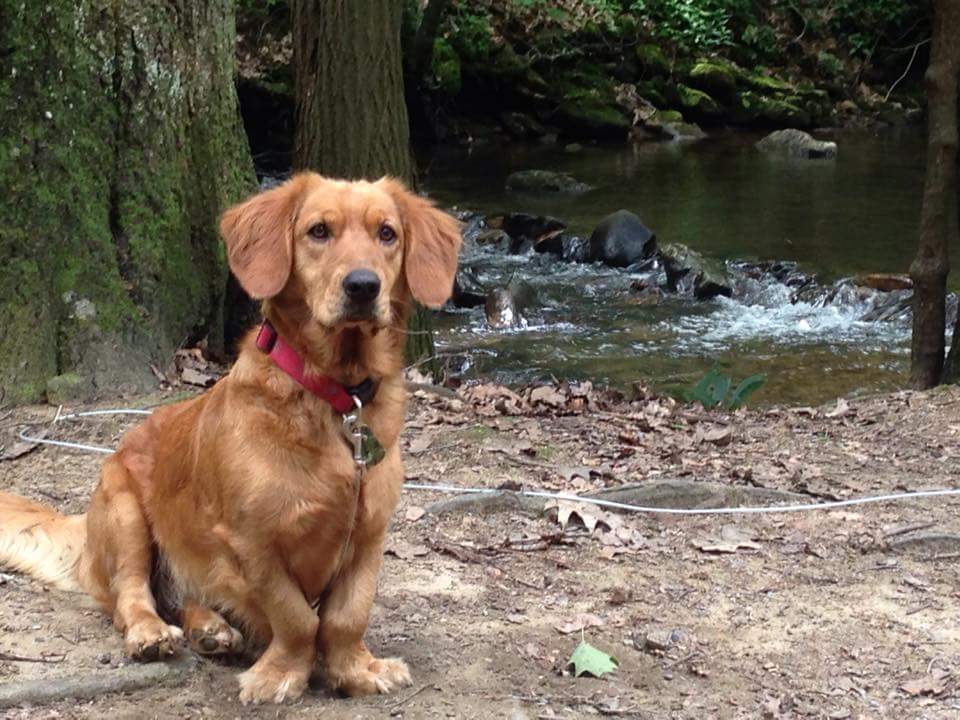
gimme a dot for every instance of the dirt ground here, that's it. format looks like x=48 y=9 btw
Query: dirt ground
x=850 y=613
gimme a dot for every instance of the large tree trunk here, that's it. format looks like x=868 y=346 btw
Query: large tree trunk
x=930 y=267
x=351 y=115
x=120 y=142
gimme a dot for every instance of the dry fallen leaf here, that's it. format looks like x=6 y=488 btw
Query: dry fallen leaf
x=932 y=684
x=414 y=513
x=405 y=550
x=584 y=621
x=731 y=539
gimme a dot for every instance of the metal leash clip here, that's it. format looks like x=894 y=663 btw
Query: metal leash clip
x=367 y=450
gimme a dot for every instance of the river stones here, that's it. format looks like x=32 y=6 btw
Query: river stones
x=566 y=246
x=797 y=144
x=621 y=239
x=545 y=181
x=468 y=291
x=689 y=271
x=506 y=307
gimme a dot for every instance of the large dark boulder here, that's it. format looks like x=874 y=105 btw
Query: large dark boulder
x=526 y=230
x=621 y=239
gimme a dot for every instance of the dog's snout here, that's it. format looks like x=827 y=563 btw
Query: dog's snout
x=361 y=286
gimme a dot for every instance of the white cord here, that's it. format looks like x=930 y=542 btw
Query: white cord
x=829 y=505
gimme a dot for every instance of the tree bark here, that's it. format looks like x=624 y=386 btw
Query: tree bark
x=120 y=142
x=931 y=265
x=351 y=115
x=426 y=35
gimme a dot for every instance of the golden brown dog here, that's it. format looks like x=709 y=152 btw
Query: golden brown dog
x=241 y=501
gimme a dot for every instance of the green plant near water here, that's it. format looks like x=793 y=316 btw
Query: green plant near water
x=713 y=390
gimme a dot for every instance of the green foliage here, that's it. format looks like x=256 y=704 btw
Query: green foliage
x=865 y=23
x=713 y=390
x=704 y=24
x=587 y=659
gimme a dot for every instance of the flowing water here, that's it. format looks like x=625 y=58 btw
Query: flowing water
x=723 y=198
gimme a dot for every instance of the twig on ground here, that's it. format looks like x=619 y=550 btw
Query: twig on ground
x=904 y=529
x=411 y=696
x=52 y=658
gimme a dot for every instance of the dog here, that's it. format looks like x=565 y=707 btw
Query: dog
x=248 y=502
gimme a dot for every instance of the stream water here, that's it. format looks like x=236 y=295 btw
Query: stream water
x=723 y=198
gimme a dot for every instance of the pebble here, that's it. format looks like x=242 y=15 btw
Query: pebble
x=104 y=658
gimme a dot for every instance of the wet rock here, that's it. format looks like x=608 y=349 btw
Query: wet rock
x=544 y=181
x=493 y=236
x=69 y=388
x=644 y=291
x=689 y=271
x=468 y=291
x=884 y=282
x=527 y=230
x=652 y=62
x=714 y=77
x=506 y=307
x=696 y=103
x=621 y=239
x=798 y=144
x=567 y=246
x=670 y=125
x=521 y=125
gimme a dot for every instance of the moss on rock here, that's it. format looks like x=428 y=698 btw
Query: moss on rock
x=697 y=103
x=715 y=77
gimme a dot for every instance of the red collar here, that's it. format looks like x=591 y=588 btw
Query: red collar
x=341 y=397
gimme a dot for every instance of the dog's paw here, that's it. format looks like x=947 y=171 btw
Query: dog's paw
x=152 y=639
x=215 y=637
x=259 y=685
x=382 y=676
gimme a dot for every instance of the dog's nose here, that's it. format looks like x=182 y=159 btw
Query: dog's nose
x=361 y=286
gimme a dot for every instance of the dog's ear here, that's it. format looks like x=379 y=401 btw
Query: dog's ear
x=432 y=240
x=259 y=237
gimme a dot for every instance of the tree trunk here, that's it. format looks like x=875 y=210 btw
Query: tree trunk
x=120 y=142
x=426 y=36
x=930 y=267
x=351 y=115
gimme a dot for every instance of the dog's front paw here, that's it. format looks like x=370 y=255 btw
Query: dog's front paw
x=267 y=684
x=215 y=637
x=381 y=676
x=152 y=639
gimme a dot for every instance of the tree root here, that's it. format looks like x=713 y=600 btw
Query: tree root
x=685 y=494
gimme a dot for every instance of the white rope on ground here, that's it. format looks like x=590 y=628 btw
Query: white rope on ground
x=755 y=510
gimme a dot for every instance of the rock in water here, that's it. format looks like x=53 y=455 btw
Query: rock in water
x=468 y=291
x=544 y=181
x=621 y=239
x=505 y=307
x=797 y=144
x=689 y=271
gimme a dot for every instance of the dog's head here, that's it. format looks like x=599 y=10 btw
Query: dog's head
x=350 y=251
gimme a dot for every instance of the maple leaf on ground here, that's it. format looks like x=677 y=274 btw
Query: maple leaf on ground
x=588 y=660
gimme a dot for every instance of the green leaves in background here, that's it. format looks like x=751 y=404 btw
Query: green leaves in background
x=588 y=660
x=713 y=390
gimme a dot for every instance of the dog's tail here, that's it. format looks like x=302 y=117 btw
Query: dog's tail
x=38 y=540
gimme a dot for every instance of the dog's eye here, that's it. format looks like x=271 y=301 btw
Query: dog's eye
x=319 y=232
x=387 y=235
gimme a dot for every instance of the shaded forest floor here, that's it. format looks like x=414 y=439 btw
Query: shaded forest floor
x=844 y=614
